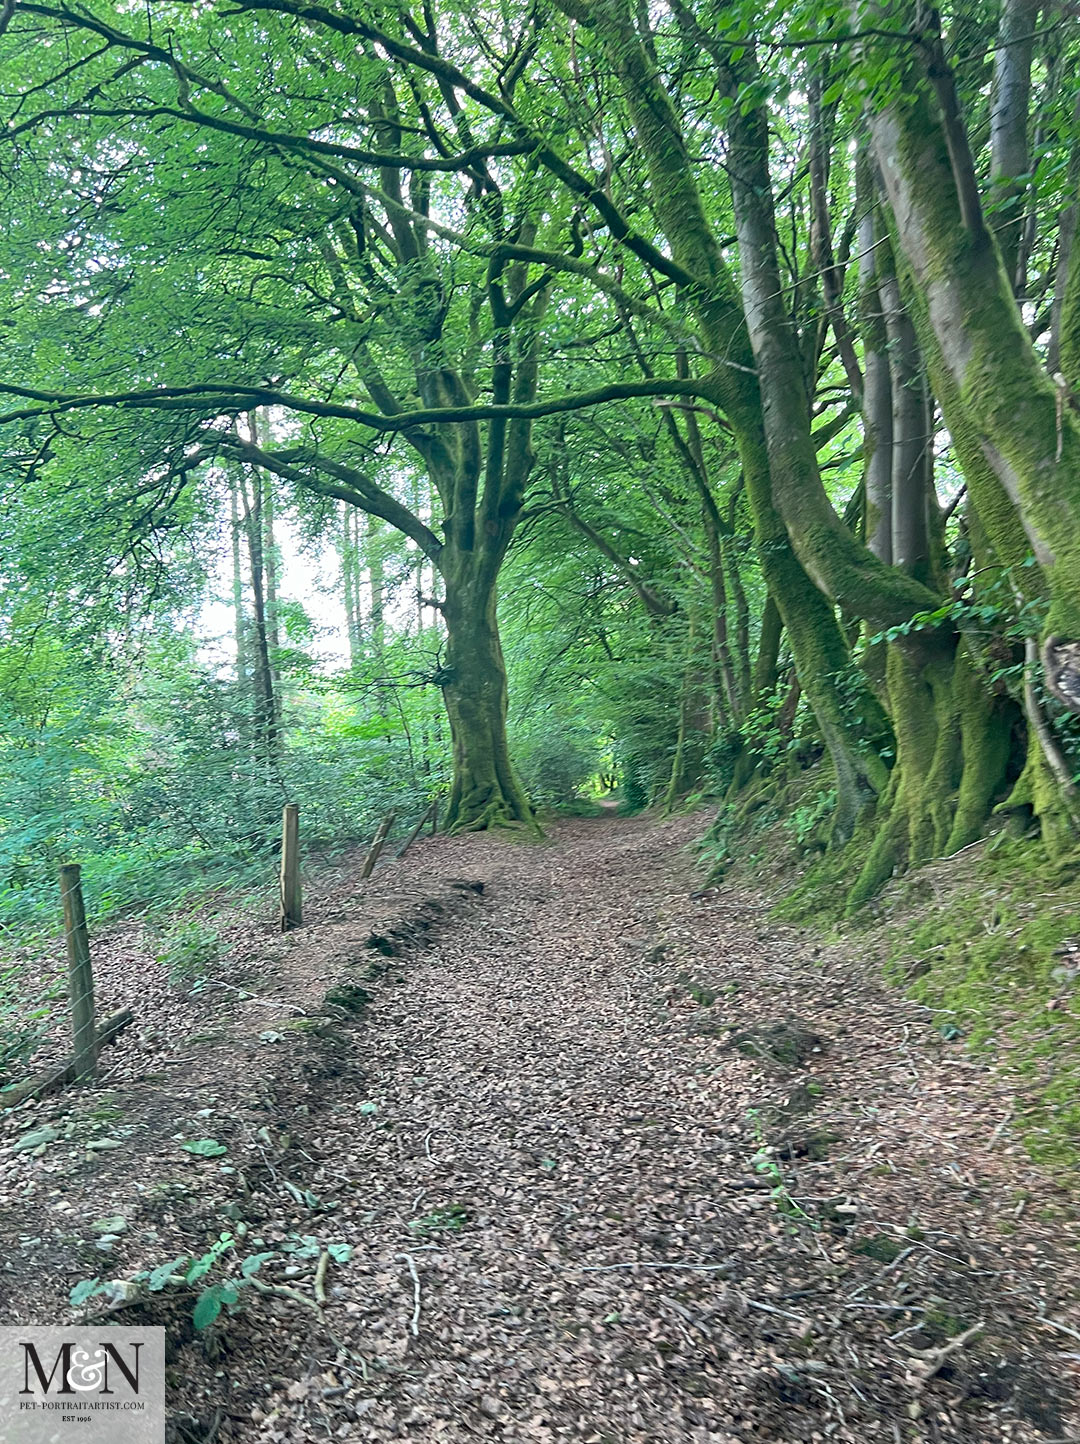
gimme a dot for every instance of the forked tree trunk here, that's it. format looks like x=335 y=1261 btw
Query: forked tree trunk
x=821 y=654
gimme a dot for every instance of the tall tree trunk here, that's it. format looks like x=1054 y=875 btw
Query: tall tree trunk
x=486 y=791
x=1009 y=153
x=263 y=673
x=270 y=550
x=347 y=553
x=1068 y=266
x=239 y=621
x=910 y=441
x=737 y=592
x=993 y=383
x=373 y=559
x=877 y=380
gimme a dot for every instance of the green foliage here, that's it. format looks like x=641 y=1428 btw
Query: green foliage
x=451 y=1219
x=224 y=1271
x=205 y=1148
x=189 y=949
x=766 y=1164
x=805 y=819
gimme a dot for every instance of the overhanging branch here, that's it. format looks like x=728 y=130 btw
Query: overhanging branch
x=227 y=399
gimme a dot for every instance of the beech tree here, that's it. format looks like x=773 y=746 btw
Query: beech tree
x=341 y=237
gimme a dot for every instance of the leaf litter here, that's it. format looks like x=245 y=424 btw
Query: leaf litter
x=584 y=1154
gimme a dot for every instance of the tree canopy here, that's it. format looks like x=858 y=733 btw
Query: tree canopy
x=675 y=398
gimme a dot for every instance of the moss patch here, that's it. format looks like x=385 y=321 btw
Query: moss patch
x=994 y=959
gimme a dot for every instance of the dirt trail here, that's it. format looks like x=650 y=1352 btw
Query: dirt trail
x=623 y=1164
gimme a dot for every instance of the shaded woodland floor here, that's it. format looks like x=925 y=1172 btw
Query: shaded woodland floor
x=617 y=1160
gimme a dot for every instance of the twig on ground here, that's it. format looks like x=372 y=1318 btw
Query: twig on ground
x=765 y=1308
x=646 y=1264
x=893 y=1264
x=282 y=1291
x=923 y=1370
x=1062 y=1328
x=247 y=997
x=414 y=1322
x=999 y=1130
x=320 y=1277
x=684 y=1313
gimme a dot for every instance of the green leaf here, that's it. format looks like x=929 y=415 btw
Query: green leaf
x=205 y=1148
x=200 y=1268
x=159 y=1277
x=252 y=1264
x=208 y=1306
x=84 y=1290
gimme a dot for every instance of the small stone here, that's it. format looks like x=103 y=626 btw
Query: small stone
x=107 y=1242
x=38 y=1137
x=122 y=1291
x=102 y=1145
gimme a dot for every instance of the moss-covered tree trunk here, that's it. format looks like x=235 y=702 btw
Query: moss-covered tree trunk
x=485 y=790
x=997 y=390
x=852 y=733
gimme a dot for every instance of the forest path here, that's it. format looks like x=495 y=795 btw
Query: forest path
x=562 y=1229
x=542 y=1140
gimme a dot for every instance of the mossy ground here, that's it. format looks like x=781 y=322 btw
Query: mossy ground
x=984 y=939
x=990 y=953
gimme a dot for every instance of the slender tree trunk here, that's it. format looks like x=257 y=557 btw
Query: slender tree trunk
x=348 y=553
x=270 y=550
x=729 y=706
x=877 y=382
x=263 y=673
x=373 y=558
x=735 y=589
x=239 y=622
x=1009 y=106
x=1068 y=268
x=910 y=442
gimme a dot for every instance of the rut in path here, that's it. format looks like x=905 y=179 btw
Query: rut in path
x=561 y=1230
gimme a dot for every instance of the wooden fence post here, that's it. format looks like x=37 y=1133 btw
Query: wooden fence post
x=80 y=972
x=377 y=845
x=403 y=849
x=291 y=908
